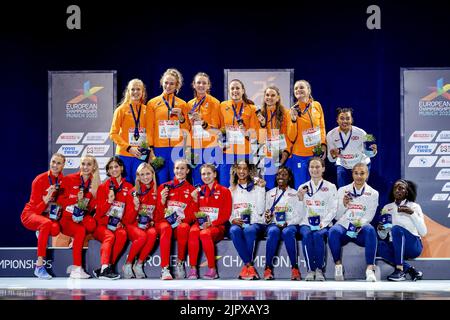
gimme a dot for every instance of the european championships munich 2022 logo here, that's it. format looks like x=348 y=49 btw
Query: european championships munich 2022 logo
x=437 y=103
x=77 y=108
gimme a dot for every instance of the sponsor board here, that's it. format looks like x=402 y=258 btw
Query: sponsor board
x=96 y=150
x=69 y=137
x=422 y=148
x=72 y=163
x=443 y=161
x=422 y=161
x=70 y=150
x=446 y=187
x=96 y=137
x=439 y=197
x=444 y=136
x=443 y=174
x=422 y=136
x=444 y=148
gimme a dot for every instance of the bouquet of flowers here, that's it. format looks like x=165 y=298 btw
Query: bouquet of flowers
x=280 y=217
x=192 y=158
x=202 y=218
x=144 y=150
x=369 y=139
x=317 y=150
x=79 y=210
x=313 y=219
x=245 y=216
x=55 y=211
x=386 y=219
x=143 y=216
x=353 y=228
x=157 y=162
x=114 y=219
x=172 y=217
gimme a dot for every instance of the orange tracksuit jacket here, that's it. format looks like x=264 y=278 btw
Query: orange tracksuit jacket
x=295 y=130
x=210 y=112
x=123 y=121
x=158 y=111
x=266 y=132
x=229 y=120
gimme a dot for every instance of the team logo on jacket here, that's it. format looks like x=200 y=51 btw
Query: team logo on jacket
x=324 y=189
x=355 y=138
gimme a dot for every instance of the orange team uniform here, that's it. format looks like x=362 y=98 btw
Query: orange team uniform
x=205 y=137
x=304 y=134
x=270 y=135
x=122 y=132
x=238 y=142
x=168 y=132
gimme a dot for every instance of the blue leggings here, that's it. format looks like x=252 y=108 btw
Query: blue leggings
x=244 y=239
x=270 y=173
x=367 y=238
x=404 y=245
x=313 y=244
x=299 y=167
x=170 y=155
x=344 y=176
x=290 y=241
x=130 y=164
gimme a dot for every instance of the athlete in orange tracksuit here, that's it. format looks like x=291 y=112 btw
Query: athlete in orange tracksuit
x=80 y=189
x=306 y=130
x=112 y=199
x=204 y=116
x=168 y=118
x=45 y=189
x=175 y=214
x=130 y=127
x=241 y=125
x=139 y=223
x=215 y=201
x=273 y=120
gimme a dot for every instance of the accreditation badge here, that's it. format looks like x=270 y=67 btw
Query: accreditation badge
x=132 y=140
x=311 y=137
x=235 y=135
x=169 y=129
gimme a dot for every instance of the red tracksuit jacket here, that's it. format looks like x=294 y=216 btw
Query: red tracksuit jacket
x=147 y=197
x=123 y=194
x=39 y=187
x=219 y=198
x=70 y=195
x=181 y=193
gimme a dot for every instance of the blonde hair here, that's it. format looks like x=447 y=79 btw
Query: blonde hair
x=142 y=166
x=182 y=160
x=127 y=94
x=95 y=174
x=176 y=74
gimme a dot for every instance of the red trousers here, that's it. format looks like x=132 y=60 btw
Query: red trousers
x=112 y=243
x=45 y=226
x=208 y=237
x=142 y=242
x=78 y=232
x=181 y=233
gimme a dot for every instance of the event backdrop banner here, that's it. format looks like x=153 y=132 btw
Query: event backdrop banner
x=425 y=120
x=256 y=80
x=81 y=105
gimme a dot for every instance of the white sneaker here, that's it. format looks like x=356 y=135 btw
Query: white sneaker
x=127 y=271
x=180 y=273
x=78 y=273
x=310 y=276
x=370 y=276
x=338 y=272
x=165 y=274
x=138 y=270
x=70 y=268
x=319 y=275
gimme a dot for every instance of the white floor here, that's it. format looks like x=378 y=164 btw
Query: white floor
x=282 y=285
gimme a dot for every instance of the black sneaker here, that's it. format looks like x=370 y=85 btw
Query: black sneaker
x=414 y=274
x=96 y=272
x=108 y=274
x=397 y=275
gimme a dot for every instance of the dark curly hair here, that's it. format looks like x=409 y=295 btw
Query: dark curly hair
x=411 y=190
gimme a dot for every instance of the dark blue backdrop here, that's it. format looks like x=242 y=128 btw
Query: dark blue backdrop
x=327 y=44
